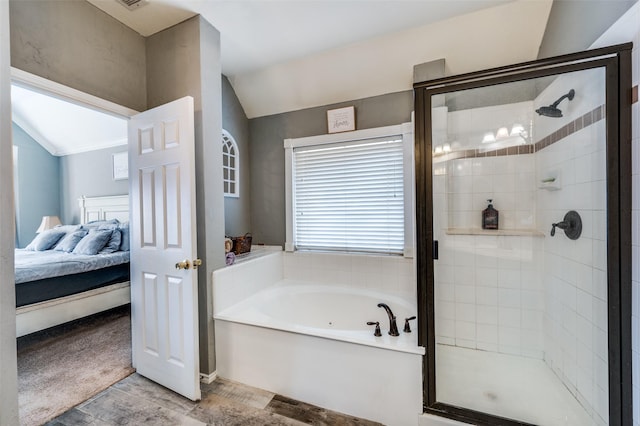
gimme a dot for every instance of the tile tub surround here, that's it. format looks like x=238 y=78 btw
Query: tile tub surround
x=392 y=274
x=346 y=376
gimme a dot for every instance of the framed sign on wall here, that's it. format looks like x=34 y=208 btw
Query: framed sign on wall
x=341 y=119
x=121 y=166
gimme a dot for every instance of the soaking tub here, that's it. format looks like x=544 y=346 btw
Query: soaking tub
x=309 y=341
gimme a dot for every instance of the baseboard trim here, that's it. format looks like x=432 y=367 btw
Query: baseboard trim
x=208 y=378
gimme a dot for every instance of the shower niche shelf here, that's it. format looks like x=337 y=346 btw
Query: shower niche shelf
x=495 y=232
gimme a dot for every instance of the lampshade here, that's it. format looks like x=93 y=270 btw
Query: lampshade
x=48 y=222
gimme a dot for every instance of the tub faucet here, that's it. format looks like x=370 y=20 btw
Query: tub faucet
x=393 y=327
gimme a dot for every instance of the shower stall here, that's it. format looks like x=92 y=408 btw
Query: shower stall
x=524 y=227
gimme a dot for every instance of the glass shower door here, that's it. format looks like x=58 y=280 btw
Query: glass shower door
x=519 y=301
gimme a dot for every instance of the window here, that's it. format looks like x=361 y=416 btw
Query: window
x=351 y=191
x=230 y=165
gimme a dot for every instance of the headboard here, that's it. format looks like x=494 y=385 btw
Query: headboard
x=104 y=208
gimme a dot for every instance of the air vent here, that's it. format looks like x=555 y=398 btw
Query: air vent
x=133 y=4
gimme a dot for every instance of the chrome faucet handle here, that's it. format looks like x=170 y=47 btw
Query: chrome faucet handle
x=376 y=332
x=407 y=329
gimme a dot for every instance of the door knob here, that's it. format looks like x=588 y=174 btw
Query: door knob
x=196 y=263
x=185 y=264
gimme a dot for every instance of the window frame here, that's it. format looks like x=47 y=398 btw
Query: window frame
x=236 y=168
x=405 y=130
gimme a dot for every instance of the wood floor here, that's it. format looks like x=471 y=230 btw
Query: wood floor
x=136 y=400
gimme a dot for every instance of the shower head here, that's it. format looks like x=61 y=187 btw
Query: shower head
x=549 y=111
x=553 y=110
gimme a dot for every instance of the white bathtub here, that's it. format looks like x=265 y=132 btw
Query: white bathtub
x=328 y=311
x=310 y=341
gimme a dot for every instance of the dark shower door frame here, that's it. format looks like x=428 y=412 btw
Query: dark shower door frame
x=616 y=60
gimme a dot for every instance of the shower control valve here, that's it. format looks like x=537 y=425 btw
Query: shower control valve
x=407 y=328
x=376 y=332
x=571 y=224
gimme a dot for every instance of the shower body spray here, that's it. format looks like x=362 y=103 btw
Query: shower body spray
x=490 y=217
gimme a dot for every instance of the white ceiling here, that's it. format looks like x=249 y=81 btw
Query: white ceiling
x=62 y=127
x=258 y=33
x=288 y=55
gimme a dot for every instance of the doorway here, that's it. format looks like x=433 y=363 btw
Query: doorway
x=523 y=198
x=49 y=181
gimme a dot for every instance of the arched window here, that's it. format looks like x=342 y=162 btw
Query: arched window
x=230 y=165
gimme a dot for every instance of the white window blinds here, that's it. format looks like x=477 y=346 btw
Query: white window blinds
x=349 y=196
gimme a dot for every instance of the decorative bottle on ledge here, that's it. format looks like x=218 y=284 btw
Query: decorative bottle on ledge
x=490 y=217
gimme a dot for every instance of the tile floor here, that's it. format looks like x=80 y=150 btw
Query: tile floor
x=505 y=385
x=136 y=400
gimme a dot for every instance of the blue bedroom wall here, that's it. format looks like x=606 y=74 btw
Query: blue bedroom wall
x=37 y=185
x=51 y=185
x=87 y=174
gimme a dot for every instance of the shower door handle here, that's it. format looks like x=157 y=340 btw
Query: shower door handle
x=435 y=249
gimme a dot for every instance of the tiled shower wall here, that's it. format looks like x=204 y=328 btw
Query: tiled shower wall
x=487 y=288
x=508 y=180
x=574 y=273
x=521 y=291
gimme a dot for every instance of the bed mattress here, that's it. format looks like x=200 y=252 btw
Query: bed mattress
x=47 y=275
x=36 y=265
x=52 y=288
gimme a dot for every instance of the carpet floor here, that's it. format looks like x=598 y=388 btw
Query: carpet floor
x=61 y=367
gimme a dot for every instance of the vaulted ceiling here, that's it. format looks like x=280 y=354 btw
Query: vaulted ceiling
x=287 y=55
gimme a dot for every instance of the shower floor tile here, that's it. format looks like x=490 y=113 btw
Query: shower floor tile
x=509 y=386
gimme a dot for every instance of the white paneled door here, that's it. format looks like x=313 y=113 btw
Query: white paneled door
x=164 y=305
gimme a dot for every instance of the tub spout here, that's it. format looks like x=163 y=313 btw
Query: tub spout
x=393 y=327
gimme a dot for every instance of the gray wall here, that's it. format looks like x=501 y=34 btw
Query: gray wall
x=267 y=135
x=8 y=364
x=574 y=25
x=76 y=44
x=87 y=174
x=237 y=213
x=185 y=60
x=38 y=186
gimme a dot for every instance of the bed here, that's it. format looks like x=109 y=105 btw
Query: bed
x=54 y=286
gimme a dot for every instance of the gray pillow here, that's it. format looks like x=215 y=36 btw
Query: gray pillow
x=67 y=228
x=69 y=242
x=124 y=229
x=114 y=242
x=95 y=224
x=45 y=240
x=93 y=242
